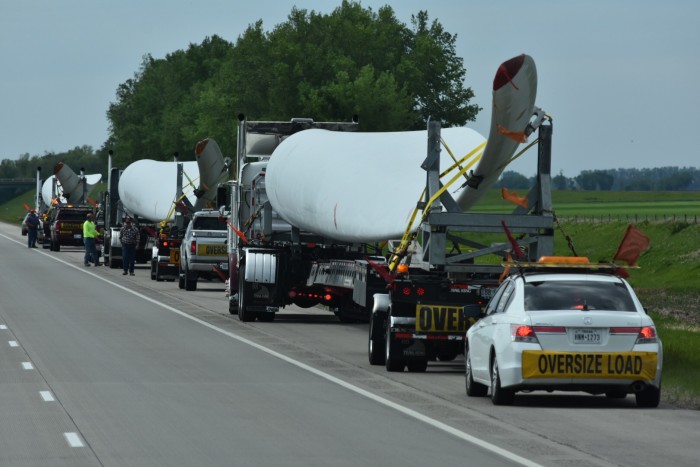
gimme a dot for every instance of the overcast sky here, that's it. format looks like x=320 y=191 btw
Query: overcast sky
x=619 y=77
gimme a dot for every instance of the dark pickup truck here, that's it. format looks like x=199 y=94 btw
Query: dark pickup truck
x=64 y=226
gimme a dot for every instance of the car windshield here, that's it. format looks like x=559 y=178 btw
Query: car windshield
x=208 y=223
x=577 y=295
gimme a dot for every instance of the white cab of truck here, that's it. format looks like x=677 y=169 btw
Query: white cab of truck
x=203 y=251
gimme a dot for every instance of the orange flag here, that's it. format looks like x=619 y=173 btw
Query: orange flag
x=633 y=244
x=514 y=198
x=518 y=136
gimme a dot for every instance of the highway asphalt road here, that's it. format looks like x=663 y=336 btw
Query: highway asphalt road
x=97 y=368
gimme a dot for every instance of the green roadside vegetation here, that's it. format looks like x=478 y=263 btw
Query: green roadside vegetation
x=667 y=282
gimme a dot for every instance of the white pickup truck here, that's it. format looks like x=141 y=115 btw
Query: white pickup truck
x=203 y=250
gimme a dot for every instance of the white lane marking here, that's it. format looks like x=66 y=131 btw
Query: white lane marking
x=381 y=400
x=47 y=396
x=74 y=440
x=13 y=343
x=2 y=326
x=400 y=408
x=27 y=365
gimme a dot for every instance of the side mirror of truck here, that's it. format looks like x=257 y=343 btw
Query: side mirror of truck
x=472 y=310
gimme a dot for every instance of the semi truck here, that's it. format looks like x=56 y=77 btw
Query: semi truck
x=309 y=209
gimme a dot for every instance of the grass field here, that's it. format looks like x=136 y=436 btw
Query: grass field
x=667 y=282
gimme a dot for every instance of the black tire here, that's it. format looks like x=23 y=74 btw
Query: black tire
x=649 y=397
x=392 y=361
x=158 y=277
x=153 y=270
x=180 y=278
x=233 y=306
x=499 y=396
x=243 y=313
x=375 y=342
x=417 y=365
x=473 y=388
x=190 y=280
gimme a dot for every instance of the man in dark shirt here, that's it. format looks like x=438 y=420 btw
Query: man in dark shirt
x=32 y=223
x=129 y=237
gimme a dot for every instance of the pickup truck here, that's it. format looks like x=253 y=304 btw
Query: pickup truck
x=203 y=252
x=64 y=226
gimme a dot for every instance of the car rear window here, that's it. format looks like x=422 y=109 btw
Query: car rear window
x=208 y=223
x=577 y=295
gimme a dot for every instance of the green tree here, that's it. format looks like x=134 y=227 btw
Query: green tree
x=353 y=61
x=513 y=180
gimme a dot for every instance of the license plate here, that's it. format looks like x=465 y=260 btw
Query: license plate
x=604 y=365
x=587 y=336
x=211 y=250
x=77 y=236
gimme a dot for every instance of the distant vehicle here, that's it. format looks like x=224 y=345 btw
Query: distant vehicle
x=64 y=226
x=203 y=252
x=565 y=327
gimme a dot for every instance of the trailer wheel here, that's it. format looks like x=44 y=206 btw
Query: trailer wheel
x=392 y=361
x=233 y=306
x=375 y=343
x=157 y=274
x=243 y=313
x=153 y=270
x=190 y=280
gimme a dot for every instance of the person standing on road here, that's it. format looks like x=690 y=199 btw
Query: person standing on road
x=32 y=223
x=90 y=233
x=129 y=236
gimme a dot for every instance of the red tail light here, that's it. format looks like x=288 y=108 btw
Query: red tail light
x=328 y=297
x=420 y=291
x=521 y=333
x=406 y=291
x=58 y=226
x=193 y=247
x=647 y=335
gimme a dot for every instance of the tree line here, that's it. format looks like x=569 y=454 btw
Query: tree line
x=331 y=67
x=652 y=179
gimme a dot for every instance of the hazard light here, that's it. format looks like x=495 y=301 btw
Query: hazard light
x=564 y=259
x=402 y=268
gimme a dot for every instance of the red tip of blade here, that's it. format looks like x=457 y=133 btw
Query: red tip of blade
x=507 y=71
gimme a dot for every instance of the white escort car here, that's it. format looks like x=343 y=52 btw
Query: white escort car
x=564 y=324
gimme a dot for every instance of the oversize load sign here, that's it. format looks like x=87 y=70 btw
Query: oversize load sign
x=613 y=365
x=437 y=318
x=211 y=250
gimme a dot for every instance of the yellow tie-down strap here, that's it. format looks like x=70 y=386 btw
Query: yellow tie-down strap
x=595 y=365
x=475 y=154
